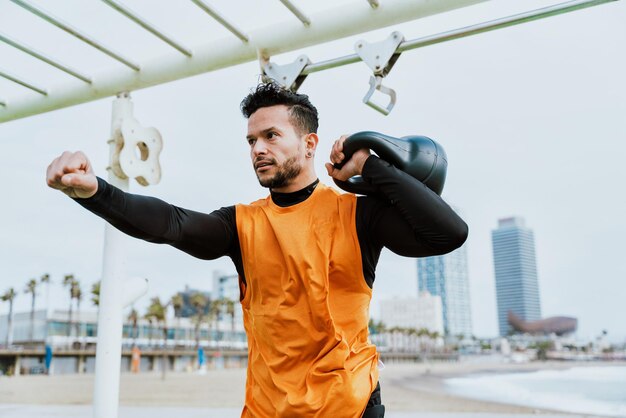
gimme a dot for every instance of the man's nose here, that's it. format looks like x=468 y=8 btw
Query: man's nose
x=259 y=148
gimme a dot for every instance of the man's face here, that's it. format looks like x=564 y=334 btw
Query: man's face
x=277 y=150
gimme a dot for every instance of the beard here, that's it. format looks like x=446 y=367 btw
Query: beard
x=285 y=172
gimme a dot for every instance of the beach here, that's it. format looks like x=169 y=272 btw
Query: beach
x=408 y=389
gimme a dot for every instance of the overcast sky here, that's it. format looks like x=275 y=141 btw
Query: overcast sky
x=533 y=119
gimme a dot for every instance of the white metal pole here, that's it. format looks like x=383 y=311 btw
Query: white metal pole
x=110 y=313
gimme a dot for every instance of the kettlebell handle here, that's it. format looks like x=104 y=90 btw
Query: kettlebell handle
x=418 y=156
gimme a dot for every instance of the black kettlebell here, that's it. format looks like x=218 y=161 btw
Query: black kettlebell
x=418 y=156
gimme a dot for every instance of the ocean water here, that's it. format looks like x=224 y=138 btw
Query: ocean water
x=587 y=390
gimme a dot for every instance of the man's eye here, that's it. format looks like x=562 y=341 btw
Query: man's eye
x=251 y=141
x=271 y=135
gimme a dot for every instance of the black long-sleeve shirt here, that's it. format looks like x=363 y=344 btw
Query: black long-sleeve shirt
x=405 y=216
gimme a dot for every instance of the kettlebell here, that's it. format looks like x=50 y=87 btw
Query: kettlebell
x=418 y=156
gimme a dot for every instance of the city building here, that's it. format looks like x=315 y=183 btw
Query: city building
x=517 y=288
x=423 y=312
x=446 y=276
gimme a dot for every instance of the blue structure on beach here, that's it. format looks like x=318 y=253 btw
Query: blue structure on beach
x=517 y=288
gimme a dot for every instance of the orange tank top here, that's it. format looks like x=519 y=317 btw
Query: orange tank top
x=305 y=308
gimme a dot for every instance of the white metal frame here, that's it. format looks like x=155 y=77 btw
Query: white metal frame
x=359 y=17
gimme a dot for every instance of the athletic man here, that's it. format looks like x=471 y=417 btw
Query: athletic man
x=305 y=255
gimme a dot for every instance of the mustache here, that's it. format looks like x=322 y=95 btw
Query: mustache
x=263 y=161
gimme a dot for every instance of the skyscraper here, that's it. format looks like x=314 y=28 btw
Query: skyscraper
x=517 y=289
x=446 y=276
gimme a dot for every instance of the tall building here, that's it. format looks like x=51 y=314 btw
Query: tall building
x=417 y=313
x=446 y=276
x=517 y=289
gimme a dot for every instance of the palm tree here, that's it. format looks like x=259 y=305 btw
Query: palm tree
x=77 y=294
x=31 y=287
x=199 y=303
x=45 y=279
x=68 y=279
x=215 y=308
x=8 y=296
x=95 y=293
x=230 y=310
x=133 y=318
x=177 y=303
x=158 y=312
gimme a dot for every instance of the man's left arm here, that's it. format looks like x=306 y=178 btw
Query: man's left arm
x=411 y=220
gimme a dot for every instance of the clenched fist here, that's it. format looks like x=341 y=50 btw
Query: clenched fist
x=72 y=173
x=353 y=167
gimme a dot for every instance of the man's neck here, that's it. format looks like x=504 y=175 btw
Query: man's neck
x=293 y=198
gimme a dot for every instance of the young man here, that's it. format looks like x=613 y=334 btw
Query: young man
x=305 y=255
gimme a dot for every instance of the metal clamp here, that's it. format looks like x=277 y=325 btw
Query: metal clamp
x=137 y=152
x=289 y=75
x=145 y=167
x=380 y=57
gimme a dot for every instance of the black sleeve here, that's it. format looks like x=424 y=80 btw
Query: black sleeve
x=407 y=217
x=205 y=236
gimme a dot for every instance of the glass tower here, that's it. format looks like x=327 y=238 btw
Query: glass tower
x=517 y=289
x=446 y=276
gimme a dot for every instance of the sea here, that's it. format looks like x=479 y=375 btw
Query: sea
x=587 y=390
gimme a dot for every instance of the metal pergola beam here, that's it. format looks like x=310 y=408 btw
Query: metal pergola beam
x=124 y=10
x=37 y=11
x=23 y=83
x=337 y=23
x=221 y=20
x=297 y=12
x=40 y=56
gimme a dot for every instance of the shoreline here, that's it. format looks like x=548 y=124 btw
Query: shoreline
x=415 y=387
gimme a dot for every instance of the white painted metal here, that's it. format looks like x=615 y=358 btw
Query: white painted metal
x=22 y=82
x=378 y=55
x=288 y=75
x=297 y=12
x=147 y=26
x=112 y=290
x=221 y=20
x=342 y=21
x=145 y=167
x=38 y=11
x=30 y=51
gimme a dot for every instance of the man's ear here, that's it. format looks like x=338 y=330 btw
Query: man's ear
x=311 y=141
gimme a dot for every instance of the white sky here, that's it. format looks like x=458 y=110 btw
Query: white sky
x=532 y=118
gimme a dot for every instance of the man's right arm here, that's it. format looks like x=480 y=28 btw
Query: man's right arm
x=206 y=236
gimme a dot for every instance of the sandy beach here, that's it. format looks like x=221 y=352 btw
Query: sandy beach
x=406 y=388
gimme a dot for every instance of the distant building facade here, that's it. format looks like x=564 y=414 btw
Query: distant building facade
x=517 y=288
x=425 y=311
x=446 y=276
x=226 y=286
x=188 y=310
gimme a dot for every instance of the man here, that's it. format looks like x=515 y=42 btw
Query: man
x=305 y=255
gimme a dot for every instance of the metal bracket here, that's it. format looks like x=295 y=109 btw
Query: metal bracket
x=146 y=142
x=376 y=84
x=380 y=57
x=289 y=75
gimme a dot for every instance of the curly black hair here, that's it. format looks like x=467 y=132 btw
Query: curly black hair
x=302 y=113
